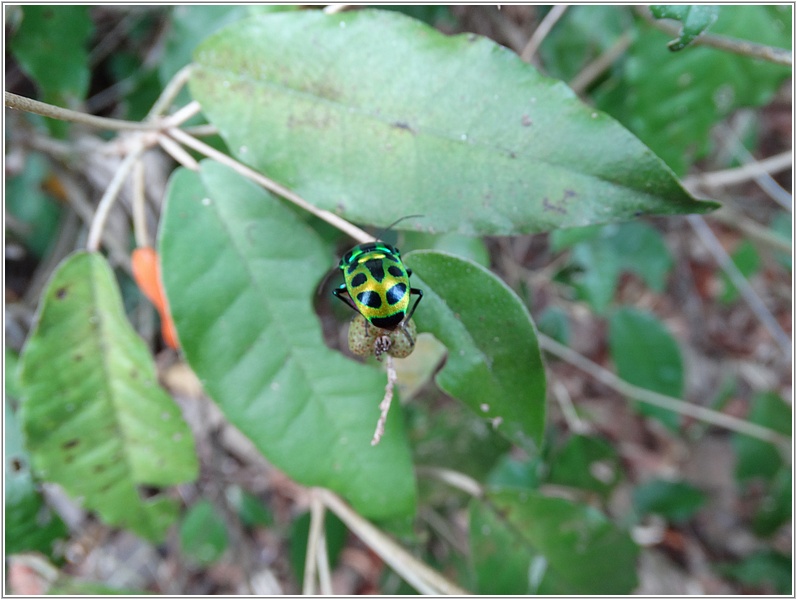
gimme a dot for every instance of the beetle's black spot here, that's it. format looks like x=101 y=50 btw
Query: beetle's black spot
x=370 y=299
x=71 y=443
x=392 y=257
x=376 y=269
x=395 y=271
x=390 y=322
x=60 y=293
x=358 y=280
x=396 y=293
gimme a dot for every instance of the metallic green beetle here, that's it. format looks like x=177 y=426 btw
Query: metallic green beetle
x=377 y=285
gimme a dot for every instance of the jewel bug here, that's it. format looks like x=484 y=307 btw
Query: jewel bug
x=377 y=286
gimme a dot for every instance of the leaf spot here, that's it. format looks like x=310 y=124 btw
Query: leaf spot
x=17 y=464
x=525 y=120
x=61 y=293
x=70 y=444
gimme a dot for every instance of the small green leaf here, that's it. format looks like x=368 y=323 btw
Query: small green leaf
x=603 y=253
x=695 y=19
x=746 y=259
x=554 y=323
x=776 y=506
x=675 y=500
x=374 y=115
x=493 y=363
x=587 y=463
x=754 y=457
x=510 y=472
x=30 y=525
x=251 y=510
x=203 y=534
x=781 y=227
x=770 y=569
x=646 y=355
x=543 y=545
x=95 y=419
x=241 y=271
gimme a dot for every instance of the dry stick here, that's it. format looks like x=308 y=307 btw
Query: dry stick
x=317 y=512
x=765 y=166
x=453 y=478
x=745 y=289
x=568 y=410
x=109 y=197
x=419 y=575
x=64 y=114
x=593 y=70
x=169 y=93
x=720 y=42
x=542 y=30
x=750 y=228
x=649 y=397
x=178 y=153
x=139 y=205
x=272 y=186
x=384 y=406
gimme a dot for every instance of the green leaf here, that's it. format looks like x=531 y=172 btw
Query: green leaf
x=767 y=568
x=512 y=472
x=754 y=457
x=95 y=420
x=493 y=363
x=672 y=100
x=781 y=227
x=530 y=543
x=251 y=510
x=203 y=534
x=30 y=525
x=674 y=500
x=374 y=115
x=603 y=253
x=587 y=463
x=50 y=46
x=695 y=19
x=646 y=355
x=554 y=323
x=776 y=506
x=241 y=271
x=745 y=257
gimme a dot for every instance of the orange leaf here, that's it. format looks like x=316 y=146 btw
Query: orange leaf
x=146 y=272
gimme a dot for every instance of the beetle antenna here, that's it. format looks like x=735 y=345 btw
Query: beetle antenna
x=394 y=223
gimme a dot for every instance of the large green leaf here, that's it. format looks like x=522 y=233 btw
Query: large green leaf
x=375 y=115
x=240 y=270
x=647 y=355
x=526 y=543
x=95 y=420
x=493 y=363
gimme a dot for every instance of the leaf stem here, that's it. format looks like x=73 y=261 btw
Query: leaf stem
x=269 y=184
x=649 y=397
x=420 y=576
x=720 y=42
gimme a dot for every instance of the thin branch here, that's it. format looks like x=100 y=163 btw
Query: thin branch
x=649 y=397
x=419 y=575
x=271 y=185
x=721 y=42
x=384 y=406
x=170 y=92
x=740 y=281
x=178 y=153
x=139 y=205
x=65 y=114
x=109 y=197
x=759 y=233
x=332 y=9
x=317 y=512
x=543 y=29
x=765 y=166
x=593 y=70
x=568 y=410
x=453 y=478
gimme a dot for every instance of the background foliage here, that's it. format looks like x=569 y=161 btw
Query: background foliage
x=574 y=485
